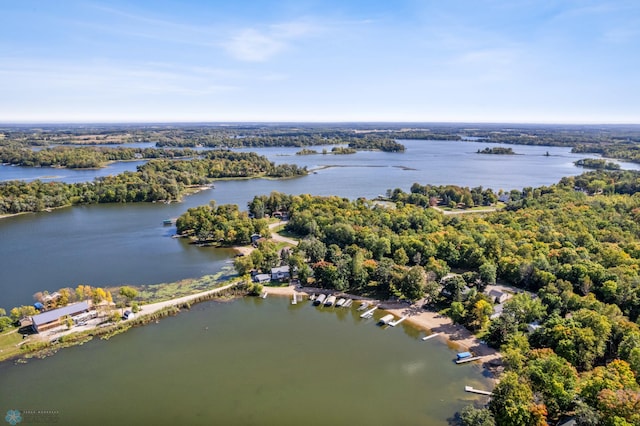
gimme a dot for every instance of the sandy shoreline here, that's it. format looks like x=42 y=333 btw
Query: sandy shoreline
x=456 y=335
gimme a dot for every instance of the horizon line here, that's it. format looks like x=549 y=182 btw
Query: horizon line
x=283 y=122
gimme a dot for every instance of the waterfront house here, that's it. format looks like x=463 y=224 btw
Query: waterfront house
x=280 y=273
x=50 y=300
x=51 y=319
x=261 y=278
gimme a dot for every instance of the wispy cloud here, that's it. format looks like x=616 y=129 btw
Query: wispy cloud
x=108 y=78
x=254 y=45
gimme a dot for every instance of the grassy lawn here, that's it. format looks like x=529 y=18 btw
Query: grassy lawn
x=8 y=342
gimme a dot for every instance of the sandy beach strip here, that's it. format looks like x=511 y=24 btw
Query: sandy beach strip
x=456 y=335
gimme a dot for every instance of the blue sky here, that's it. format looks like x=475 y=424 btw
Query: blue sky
x=547 y=61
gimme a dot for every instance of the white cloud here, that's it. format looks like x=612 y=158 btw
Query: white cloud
x=253 y=45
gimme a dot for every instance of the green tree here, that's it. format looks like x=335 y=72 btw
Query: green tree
x=129 y=293
x=21 y=312
x=512 y=403
x=413 y=283
x=488 y=273
x=471 y=416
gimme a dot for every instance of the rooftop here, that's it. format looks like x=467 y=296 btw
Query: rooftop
x=47 y=317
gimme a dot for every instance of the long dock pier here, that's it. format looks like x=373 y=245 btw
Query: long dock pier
x=369 y=313
x=394 y=323
x=478 y=391
x=431 y=336
x=469 y=359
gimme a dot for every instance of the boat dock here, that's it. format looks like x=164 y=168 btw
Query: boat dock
x=431 y=336
x=386 y=320
x=348 y=303
x=363 y=306
x=468 y=359
x=294 y=301
x=369 y=313
x=478 y=391
x=330 y=301
x=320 y=299
x=264 y=295
x=394 y=323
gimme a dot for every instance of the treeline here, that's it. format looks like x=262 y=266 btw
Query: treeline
x=157 y=180
x=223 y=225
x=83 y=157
x=449 y=195
x=381 y=144
x=623 y=150
x=597 y=163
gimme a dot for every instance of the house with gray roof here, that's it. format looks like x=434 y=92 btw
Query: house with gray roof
x=51 y=319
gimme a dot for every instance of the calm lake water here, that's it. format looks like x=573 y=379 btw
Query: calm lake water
x=249 y=362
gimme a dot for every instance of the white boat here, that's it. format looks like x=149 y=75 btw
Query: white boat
x=386 y=319
x=320 y=299
x=340 y=302
x=330 y=301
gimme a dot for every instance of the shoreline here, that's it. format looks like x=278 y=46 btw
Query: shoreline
x=454 y=335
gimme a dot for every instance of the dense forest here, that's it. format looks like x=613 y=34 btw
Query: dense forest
x=157 y=180
x=83 y=157
x=223 y=225
x=571 y=249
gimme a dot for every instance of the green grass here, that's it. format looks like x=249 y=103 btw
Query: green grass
x=8 y=342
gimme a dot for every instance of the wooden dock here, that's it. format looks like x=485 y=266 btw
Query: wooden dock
x=363 y=306
x=478 y=391
x=431 y=336
x=369 y=313
x=294 y=301
x=468 y=359
x=394 y=323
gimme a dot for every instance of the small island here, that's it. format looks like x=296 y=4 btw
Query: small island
x=307 y=151
x=597 y=164
x=497 y=150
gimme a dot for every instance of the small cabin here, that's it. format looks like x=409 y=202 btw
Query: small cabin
x=280 y=273
x=499 y=296
x=261 y=278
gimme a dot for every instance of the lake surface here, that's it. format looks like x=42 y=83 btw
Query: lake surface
x=249 y=362
x=104 y=245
